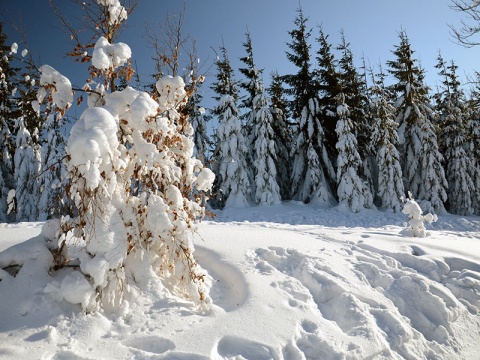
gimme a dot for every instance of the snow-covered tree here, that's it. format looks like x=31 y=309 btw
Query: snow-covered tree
x=384 y=140
x=312 y=170
x=267 y=191
x=300 y=86
x=230 y=165
x=351 y=191
x=51 y=202
x=422 y=162
x=128 y=236
x=460 y=165
x=283 y=134
x=354 y=89
x=329 y=87
x=199 y=119
x=7 y=122
x=27 y=170
x=252 y=83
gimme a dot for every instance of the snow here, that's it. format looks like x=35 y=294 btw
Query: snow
x=59 y=85
x=290 y=281
x=14 y=48
x=110 y=56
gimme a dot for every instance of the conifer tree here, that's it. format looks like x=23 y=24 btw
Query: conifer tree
x=422 y=167
x=329 y=87
x=199 y=119
x=27 y=169
x=460 y=165
x=252 y=82
x=312 y=171
x=51 y=201
x=267 y=191
x=7 y=123
x=283 y=134
x=230 y=165
x=354 y=89
x=472 y=146
x=384 y=141
x=351 y=191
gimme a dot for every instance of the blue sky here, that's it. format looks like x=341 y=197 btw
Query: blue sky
x=370 y=26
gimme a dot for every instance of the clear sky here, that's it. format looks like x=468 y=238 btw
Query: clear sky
x=370 y=26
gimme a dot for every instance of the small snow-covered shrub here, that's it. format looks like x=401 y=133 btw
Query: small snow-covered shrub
x=416 y=226
x=137 y=190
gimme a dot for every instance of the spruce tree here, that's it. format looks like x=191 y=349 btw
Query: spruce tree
x=230 y=164
x=252 y=80
x=27 y=169
x=199 y=119
x=354 y=89
x=52 y=201
x=422 y=162
x=384 y=141
x=351 y=191
x=329 y=87
x=473 y=148
x=7 y=124
x=460 y=164
x=283 y=135
x=267 y=191
x=312 y=171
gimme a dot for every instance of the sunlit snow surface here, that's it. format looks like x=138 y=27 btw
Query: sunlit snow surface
x=290 y=282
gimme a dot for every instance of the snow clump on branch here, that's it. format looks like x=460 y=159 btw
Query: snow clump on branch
x=110 y=56
x=116 y=11
x=59 y=86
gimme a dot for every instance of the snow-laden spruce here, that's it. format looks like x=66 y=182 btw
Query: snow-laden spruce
x=422 y=162
x=351 y=191
x=267 y=191
x=234 y=182
x=384 y=139
x=27 y=169
x=452 y=114
x=311 y=164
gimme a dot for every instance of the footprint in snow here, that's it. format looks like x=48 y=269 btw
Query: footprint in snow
x=67 y=355
x=150 y=344
x=229 y=290
x=231 y=347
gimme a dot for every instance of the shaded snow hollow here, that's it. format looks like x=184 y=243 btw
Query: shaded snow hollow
x=291 y=281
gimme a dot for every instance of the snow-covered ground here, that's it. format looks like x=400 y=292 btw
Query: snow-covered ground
x=291 y=281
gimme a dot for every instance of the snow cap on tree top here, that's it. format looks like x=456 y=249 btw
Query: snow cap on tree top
x=116 y=11
x=110 y=56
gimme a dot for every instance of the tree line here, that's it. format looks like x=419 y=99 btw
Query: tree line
x=330 y=133
x=335 y=133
